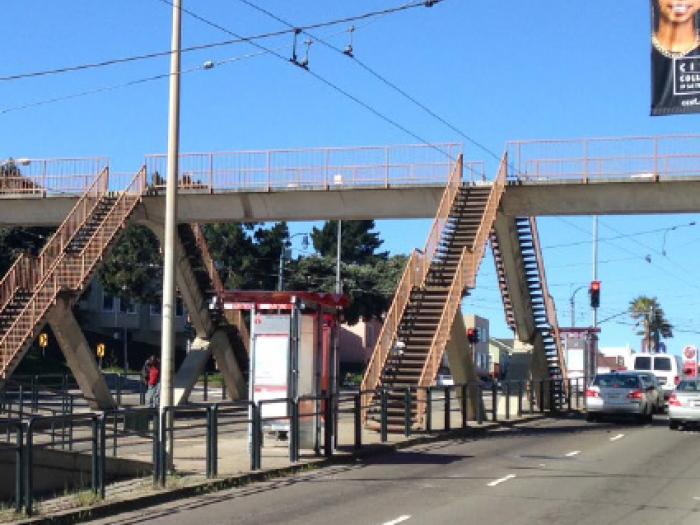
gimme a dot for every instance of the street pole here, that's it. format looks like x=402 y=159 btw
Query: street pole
x=594 y=361
x=168 y=312
x=338 y=286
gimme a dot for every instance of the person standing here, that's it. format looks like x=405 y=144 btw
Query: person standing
x=151 y=374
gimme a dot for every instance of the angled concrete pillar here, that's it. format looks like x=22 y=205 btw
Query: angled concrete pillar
x=460 y=354
x=228 y=365
x=190 y=370
x=79 y=356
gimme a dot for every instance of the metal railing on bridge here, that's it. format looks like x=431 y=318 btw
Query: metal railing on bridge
x=70 y=176
x=314 y=168
x=605 y=159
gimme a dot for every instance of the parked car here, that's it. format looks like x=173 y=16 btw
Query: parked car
x=621 y=393
x=657 y=393
x=684 y=404
x=667 y=369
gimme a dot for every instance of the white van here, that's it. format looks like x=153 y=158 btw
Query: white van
x=667 y=369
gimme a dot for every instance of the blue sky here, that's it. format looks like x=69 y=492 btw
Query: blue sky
x=498 y=71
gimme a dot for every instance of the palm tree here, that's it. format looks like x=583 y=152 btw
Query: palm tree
x=655 y=325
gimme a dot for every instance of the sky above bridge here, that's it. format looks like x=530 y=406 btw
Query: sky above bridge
x=495 y=71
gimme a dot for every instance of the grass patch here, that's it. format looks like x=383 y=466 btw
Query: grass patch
x=86 y=498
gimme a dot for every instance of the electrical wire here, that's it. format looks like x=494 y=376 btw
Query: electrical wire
x=324 y=80
x=381 y=78
x=238 y=40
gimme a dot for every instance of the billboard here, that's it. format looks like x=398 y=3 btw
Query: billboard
x=675 y=57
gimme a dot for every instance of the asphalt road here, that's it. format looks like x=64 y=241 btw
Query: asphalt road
x=561 y=472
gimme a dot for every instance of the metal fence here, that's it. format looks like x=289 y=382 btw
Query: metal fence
x=189 y=438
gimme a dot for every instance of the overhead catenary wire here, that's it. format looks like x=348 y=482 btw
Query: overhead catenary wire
x=324 y=80
x=379 y=77
x=238 y=40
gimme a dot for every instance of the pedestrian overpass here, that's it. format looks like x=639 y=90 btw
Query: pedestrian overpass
x=93 y=204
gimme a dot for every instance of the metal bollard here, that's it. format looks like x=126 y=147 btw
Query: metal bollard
x=448 y=408
x=520 y=398
x=357 y=413
x=293 y=430
x=95 y=455
x=19 y=454
x=384 y=416
x=328 y=427
x=407 y=412
x=206 y=385
x=494 y=403
x=209 y=445
x=429 y=410
x=568 y=393
x=156 y=447
x=464 y=406
x=507 y=401
x=28 y=471
x=541 y=403
x=119 y=390
x=480 y=405
x=256 y=449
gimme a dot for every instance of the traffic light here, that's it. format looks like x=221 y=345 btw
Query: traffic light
x=594 y=292
x=43 y=340
x=473 y=335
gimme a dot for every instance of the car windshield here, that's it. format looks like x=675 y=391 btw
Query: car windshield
x=688 y=386
x=662 y=363
x=642 y=363
x=616 y=381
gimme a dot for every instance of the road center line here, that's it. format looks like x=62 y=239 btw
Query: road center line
x=398 y=520
x=573 y=453
x=499 y=481
x=615 y=438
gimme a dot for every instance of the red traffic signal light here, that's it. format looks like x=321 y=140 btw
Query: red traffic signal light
x=594 y=292
x=473 y=335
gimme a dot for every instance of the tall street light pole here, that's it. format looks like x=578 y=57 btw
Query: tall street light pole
x=168 y=311
x=572 y=304
x=338 y=286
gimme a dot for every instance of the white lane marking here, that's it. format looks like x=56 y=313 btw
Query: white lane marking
x=573 y=453
x=696 y=498
x=398 y=520
x=615 y=438
x=542 y=465
x=499 y=481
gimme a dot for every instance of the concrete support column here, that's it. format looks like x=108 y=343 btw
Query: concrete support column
x=79 y=356
x=460 y=354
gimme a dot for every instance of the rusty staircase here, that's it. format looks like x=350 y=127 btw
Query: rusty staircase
x=546 y=339
x=210 y=287
x=417 y=326
x=64 y=266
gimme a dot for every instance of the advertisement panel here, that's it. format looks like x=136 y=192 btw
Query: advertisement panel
x=675 y=57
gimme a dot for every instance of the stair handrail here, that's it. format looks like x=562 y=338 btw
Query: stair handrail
x=19 y=276
x=550 y=307
x=207 y=259
x=73 y=222
x=454 y=182
x=411 y=278
x=502 y=282
x=46 y=292
x=464 y=277
x=27 y=271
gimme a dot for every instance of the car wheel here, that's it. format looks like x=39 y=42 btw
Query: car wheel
x=673 y=425
x=591 y=417
x=650 y=416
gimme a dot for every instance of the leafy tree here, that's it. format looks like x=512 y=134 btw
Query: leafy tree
x=358 y=241
x=134 y=268
x=15 y=241
x=247 y=255
x=370 y=287
x=654 y=323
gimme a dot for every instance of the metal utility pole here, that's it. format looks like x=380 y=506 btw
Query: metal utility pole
x=595 y=278
x=168 y=311
x=338 y=286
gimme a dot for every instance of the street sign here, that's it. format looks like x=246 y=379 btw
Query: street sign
x=43 y=340
x=101 y=350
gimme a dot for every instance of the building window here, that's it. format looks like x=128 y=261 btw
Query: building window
x=156 y=309
x=126 y=306
x=107 y=303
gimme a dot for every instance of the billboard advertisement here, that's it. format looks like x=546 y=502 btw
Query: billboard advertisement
x=675 y=57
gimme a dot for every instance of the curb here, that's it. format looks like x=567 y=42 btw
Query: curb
x=103 y=510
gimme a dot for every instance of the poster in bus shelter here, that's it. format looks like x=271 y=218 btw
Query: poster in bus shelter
x=675 y=57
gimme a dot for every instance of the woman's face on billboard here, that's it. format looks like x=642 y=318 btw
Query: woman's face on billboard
x=678 y=11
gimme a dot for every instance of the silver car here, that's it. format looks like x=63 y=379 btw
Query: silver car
x=684 y=404
x=619 y=393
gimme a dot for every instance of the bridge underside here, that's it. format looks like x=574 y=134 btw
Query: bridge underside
x=530 y=199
